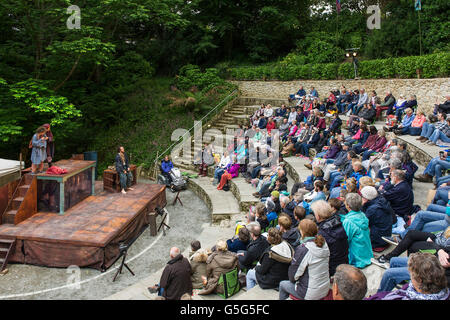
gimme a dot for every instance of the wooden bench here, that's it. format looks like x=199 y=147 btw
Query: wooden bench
x=111 y=180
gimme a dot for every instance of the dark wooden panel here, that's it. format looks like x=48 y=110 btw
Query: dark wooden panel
x=28 y=208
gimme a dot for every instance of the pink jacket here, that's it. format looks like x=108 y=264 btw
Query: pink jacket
x=234 y=170
x=418 y=121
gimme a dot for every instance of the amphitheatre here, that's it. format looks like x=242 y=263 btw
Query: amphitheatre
x=210 y=214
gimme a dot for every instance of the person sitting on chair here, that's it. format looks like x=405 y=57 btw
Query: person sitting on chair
x=123 y=170
x=166 y=166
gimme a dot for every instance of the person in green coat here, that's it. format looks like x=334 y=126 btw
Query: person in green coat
x=356 y=225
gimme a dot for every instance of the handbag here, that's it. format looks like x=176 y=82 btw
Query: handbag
x=228 y=284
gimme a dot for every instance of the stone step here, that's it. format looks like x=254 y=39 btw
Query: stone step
x=223 y=204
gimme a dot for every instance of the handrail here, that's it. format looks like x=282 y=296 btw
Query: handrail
x=214 y=109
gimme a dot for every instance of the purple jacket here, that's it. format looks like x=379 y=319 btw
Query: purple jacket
x=406 y=293
x=381 y=141
x=234 y=170
x=332 y=152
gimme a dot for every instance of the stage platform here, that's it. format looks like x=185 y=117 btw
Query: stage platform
x=89 y=233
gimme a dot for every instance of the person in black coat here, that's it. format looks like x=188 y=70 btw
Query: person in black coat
x=273 y=266
x=399 y=194
x=330 y=227
x=258 y=244
x=288 y=233
x=335 y=125
x=380 y=215
x=123 y=169
x=176 y=277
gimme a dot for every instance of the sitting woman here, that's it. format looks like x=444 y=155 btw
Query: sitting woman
x=197 y=259
x=229 y=174
x=376 y=147
x=308 y=273
x=273 y=265
x=371 y=139
x=361 y=135
x=240 y=241
x=219 y=262
x=221 y=167
x=416 y=126
x=428 y=281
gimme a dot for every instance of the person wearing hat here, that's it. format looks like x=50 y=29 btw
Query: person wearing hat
x=273 y=206
x=380 y=214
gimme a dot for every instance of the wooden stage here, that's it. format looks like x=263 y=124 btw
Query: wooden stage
x=89 y=233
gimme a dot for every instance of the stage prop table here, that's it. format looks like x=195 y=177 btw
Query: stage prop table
x=58 y=193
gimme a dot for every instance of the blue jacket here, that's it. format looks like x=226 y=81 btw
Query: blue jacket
x=166 y=166
x=236 y=245
x=380 y=215
x=356 y=225
x=400 y=197
x=407 y=121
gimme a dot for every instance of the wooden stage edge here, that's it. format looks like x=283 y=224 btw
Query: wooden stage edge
x=89 y=233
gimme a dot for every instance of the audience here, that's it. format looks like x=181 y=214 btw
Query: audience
x=349 y=283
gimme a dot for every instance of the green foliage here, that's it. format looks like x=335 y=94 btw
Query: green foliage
x=431 y=66
x=191 y=75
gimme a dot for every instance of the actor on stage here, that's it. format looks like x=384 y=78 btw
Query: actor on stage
x=50 y=145
x=38 y=153
x=123 y=169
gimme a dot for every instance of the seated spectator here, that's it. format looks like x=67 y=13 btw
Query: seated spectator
x=349 y=283
x=410 y=103
x=292 y=116
x=335 y=125
x=310 y=143
x=399 y=194
x=367 y=112
x=219 y=262
x=371 y=140
x=166 y=167
x=403 y=127
x=415 y=241
x=221 y=167
x=239 y=242
x=203 y=159
x=283 y=128
x=399 y=104
x=308 y=273
x=176 y=277
x=356 y=225
x=442 y=134
x=308 y=185
x=363 y=99
x=273 y=264
x=255 y=248
x=416 y=126
x=299 y=215
x=288 y=233
x=435 y=167
x=330 y=227
x=443 y=107
x=428 y=281
x=428 y=128
x=380 y=216
x=229 y=174
x=313 y=196
x=388 y=102
x=378 y=146
x=435 y=218
x=197 y=259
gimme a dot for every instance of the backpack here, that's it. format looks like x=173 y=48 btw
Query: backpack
x=226 y=187
x=228 y=284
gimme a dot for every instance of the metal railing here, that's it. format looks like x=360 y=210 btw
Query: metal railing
x=214 y=110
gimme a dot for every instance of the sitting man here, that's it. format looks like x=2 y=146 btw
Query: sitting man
x=258 y=244
x=349 y=283
x=399 y=194
x=123 y=170
x=166 y=166
x=176 y=278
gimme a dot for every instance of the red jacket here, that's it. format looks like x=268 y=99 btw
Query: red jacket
x=270 y=126
x=381 y=141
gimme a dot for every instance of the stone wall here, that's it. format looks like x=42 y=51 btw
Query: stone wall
x=426 y=90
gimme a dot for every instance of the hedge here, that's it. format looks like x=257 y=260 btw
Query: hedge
x=432 y=66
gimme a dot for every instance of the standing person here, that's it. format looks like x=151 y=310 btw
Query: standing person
x=50 y=145
x=38 y=153
x=123 y=170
